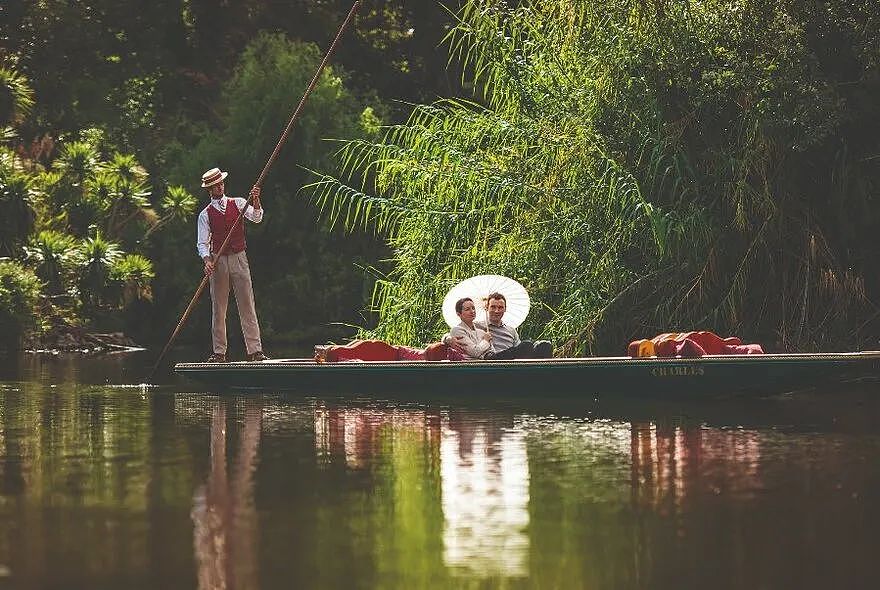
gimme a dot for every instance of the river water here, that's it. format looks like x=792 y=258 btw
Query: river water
x=108 y=484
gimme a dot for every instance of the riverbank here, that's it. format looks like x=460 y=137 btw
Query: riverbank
x=78 y=340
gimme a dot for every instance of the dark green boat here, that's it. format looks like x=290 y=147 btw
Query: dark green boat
x=757 y=374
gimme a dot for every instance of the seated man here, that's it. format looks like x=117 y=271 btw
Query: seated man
x=506 y=343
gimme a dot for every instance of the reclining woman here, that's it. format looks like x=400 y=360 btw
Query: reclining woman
x=475 y=342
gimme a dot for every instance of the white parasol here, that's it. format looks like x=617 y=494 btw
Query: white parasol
x=479 y=288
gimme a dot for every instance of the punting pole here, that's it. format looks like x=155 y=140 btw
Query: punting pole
x=259 y=182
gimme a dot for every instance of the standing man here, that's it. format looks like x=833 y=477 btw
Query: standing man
x=231 y=267
x=505 y=343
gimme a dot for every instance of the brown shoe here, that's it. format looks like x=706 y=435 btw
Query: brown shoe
x=217 y=358
x=257 y=357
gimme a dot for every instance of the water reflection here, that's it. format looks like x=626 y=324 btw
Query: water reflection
x=384 y=515
x=225 y=532
x=73 y=368
x=129 y=488
x=356 y=434
x=485 y=492
x=444 y=496
x=671 y=462
x=483 y=476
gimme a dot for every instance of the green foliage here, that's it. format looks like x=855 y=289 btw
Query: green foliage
x=137 y=110
x=130 y=201
x=157 y=79
x=295 y=264
x=17 y=201
x=7 y=134
x=53 y=255
x=19 y=294
x=640 y=168
x=134 y=274
x=16 y=95
x=78 y=161
x=139 y=66
x=89 y=190
x=92 y=190
x=94 y=61
x=257 y=102
x=177 y=206
x=178 y=203
x=95 y=258
x=126 y=168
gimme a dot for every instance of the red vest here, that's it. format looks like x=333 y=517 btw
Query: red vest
x=220 y=224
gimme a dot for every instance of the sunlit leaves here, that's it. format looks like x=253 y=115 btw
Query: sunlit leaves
x=95 y=257
x=177 y=206
x=178 y=203
x=77 y=161
x=134 y=273
x=125 y=168
x=16 y=95
x=53 y=255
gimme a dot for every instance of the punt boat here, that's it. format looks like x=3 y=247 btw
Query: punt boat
x=594 y=376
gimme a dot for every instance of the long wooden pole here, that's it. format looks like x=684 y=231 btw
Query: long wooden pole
x=258 y=183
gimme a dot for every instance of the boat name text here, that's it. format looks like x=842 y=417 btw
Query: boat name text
x=678 y=371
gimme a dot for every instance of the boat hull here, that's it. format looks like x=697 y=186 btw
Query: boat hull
x=771 y=373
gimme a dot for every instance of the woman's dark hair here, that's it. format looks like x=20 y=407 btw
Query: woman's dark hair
x=460 y=303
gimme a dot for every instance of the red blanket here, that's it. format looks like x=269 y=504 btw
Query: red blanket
x=378 y=350
x=690 y=345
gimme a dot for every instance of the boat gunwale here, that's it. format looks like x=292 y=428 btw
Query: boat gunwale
x=276 y=364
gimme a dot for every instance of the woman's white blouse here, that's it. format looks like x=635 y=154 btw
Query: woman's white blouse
x=474 y=345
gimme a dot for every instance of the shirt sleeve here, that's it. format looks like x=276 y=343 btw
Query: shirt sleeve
x=203 y=235
x=474 y=349
x=516 y=339
x=255 y=215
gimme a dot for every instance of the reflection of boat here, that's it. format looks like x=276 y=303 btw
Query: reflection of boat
x=579 y=376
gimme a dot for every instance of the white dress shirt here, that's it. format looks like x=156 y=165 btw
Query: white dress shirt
x=203 y=236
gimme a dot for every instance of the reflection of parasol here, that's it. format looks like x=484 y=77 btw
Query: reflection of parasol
x=479 y=288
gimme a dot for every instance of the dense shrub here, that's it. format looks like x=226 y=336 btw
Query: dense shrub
x=17 y=215
x=19 y=295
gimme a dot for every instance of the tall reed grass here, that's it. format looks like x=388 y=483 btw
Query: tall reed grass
x=639 y=167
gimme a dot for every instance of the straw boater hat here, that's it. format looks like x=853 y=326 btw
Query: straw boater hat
x=212 y=177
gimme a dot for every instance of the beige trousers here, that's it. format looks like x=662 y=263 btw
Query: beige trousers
x=233 y=269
